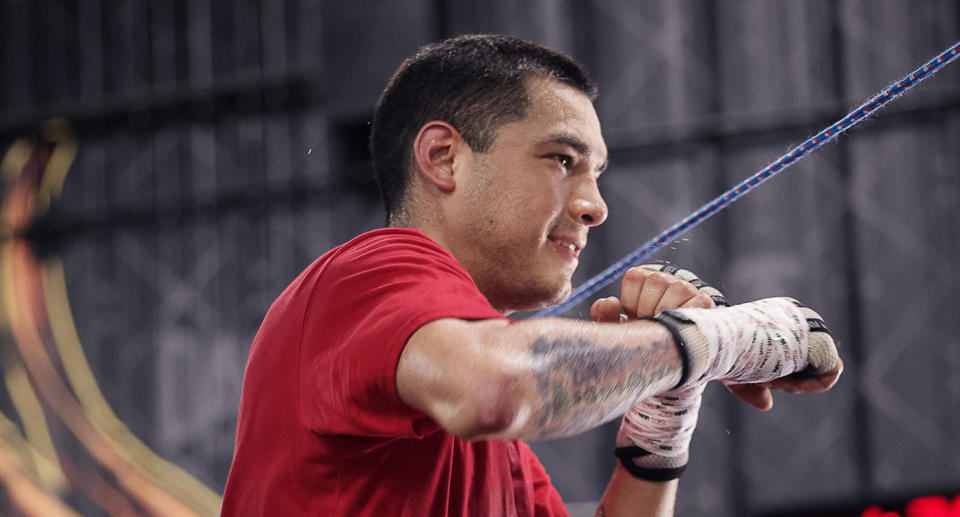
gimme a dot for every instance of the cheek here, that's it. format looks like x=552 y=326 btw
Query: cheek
x=532 y=208
x=522 y=200
x=549 y=199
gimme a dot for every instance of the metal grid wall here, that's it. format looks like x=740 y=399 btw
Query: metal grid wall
x=221 y=149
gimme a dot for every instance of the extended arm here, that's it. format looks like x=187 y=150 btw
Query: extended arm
x=533 y=379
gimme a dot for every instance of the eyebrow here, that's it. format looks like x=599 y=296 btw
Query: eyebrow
x=577 y=145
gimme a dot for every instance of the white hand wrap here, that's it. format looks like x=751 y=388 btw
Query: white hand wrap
x=663 y=424
x=654 y=437
x=753 y=342
x=749 y=343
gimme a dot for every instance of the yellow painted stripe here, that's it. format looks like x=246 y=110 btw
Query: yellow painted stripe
x=24 y=494
x=34 y=424
x=79 y=375
x=84 y=385
x=30 y=459
x=16 y=158
x=59 y=132
x=63 y=403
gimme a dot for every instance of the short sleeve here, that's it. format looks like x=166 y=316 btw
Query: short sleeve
x=365 y=304
x=547 y=501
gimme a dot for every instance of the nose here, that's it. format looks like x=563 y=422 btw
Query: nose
x=587 y=205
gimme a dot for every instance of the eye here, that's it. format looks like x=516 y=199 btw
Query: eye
x=564 y=160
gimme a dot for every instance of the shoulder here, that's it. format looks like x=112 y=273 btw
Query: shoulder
x=390 y=242
x=388 y=250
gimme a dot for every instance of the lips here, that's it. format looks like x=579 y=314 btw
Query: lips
x=570 y=245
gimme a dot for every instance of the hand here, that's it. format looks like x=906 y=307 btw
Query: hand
x=759 y=395
x=757 y=342
x=822 y=373
x=646 y=290
x=655 y=433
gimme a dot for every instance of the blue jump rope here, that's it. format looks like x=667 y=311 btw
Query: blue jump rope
x=703 y=213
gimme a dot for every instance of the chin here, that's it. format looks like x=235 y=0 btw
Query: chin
x=562 y=294
x=536 y=297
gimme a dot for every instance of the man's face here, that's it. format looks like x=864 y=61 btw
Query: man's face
x=528 y=202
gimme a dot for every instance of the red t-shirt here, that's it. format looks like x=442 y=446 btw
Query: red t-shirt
x=322 y=430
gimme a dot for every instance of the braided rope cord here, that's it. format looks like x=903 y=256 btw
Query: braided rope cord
x=703 y=213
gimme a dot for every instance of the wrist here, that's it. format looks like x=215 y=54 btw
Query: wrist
x=753 y=342
x=645 y=465
x=654 y=438
x=680 y=345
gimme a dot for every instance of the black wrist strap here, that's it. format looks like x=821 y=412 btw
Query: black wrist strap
x=627 y=455
x=681 y=348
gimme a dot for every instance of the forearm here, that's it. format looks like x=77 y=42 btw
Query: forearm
x=579 y=375
x=629 y=496
x=534 y=379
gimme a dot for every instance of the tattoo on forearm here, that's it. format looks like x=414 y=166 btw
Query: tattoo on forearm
x=584 y=384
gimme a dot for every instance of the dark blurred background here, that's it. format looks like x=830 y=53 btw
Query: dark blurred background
x=169 y=166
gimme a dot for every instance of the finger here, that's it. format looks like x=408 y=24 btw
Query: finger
x=630 y=288
x=823 y=357
x=757 y=395
x=654 y=287
x=805 y=383
x=830 y=378
x=795 y=384
x=689 y=276
x=595 y=309
x=677 y=294
x=606 y=310
x=701 y=301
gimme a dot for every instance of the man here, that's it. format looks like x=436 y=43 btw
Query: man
x=387 y=379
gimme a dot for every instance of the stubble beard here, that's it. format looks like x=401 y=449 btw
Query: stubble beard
x=504 y=272
x=511 y=284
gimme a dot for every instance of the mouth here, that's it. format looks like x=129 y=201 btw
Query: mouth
x=568 y=246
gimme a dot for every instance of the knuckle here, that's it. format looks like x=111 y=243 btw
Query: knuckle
x=635 y=274
x=687 y=275
x=706 y=301
x=662 y=278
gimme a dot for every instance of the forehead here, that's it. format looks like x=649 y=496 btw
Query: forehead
x=558 y=109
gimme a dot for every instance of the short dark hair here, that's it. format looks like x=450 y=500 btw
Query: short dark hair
x=476 y=83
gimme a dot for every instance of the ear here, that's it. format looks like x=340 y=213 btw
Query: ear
x=436 y=150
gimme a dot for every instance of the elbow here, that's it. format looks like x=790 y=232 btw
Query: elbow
x=493 y=410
